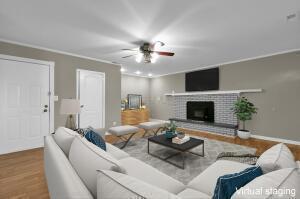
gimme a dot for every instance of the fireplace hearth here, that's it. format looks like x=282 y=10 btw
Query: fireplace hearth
x=200 y=111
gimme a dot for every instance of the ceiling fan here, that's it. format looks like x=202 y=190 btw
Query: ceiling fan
x=148 y=52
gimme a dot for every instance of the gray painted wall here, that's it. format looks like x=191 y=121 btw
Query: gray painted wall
x=279 y=108
x=135 y=85
x=65 y=78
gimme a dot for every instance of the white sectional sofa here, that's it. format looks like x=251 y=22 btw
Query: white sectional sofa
x=77 y=169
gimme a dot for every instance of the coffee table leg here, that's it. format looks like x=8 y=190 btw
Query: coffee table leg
x=148 y=146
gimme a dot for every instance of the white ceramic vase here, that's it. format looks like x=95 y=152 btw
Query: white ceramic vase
x=244 y=134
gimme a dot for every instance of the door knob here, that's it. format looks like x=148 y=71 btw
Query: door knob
x=81 y=106
x=46 y=106
x=45 y=110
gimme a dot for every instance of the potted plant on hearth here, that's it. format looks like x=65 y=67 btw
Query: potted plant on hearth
x=244 y=111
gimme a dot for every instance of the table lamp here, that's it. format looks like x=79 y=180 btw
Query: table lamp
x=70 y=107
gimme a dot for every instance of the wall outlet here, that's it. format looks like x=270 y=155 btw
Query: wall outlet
x=114 y=123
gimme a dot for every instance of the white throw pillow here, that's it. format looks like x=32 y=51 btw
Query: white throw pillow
x=111 y=185
x=277 y=157
x=64 y=138
x=283 y=183
x=86 y=158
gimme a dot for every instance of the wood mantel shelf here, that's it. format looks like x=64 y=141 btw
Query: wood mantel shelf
x=259 y=90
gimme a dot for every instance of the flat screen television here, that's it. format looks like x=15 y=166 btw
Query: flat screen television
x=202 y=80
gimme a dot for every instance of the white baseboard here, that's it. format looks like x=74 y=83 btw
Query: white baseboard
x=276 y=139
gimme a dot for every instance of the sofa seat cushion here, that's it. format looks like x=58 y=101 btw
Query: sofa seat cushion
x=86 y=158
x=149 y=174
x=116 y=152
x=206 y=181
x=112 y=185
x=192 y=194
x=64 y=138
x=283 y=183
x=276 y=157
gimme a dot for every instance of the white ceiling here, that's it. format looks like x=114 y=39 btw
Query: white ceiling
x=200 y=32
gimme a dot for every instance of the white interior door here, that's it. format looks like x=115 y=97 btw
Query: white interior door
x=24 y=105
x=91 y=92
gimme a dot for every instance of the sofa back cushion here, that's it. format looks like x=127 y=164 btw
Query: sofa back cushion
x=64 y=138
x=62 y=179
x=283 y=183
x=86 y=159
x=277 y=157
x=116 y=185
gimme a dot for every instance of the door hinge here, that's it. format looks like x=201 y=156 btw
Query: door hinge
x=49 y=93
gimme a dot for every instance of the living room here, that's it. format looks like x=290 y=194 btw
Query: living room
x=197 y=102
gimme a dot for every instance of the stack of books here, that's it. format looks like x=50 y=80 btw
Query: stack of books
x=177 y=140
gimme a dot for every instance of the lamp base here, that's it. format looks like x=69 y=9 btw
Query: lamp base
x=70 y=123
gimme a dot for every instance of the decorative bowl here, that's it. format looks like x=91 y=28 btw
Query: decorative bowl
x=170 y=134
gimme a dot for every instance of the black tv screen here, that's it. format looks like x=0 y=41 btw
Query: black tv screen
x=202 y=80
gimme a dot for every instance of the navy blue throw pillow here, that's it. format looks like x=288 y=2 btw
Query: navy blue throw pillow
x=228 y=184
x=95 y=138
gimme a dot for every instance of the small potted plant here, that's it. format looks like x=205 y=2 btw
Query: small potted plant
x=171 y=130
x=244 y=111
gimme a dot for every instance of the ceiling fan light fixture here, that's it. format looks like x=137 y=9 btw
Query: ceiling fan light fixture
x=154 y=57
x=139 y=58
x=158 y=44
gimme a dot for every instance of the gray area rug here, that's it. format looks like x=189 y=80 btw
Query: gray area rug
x=194 y=165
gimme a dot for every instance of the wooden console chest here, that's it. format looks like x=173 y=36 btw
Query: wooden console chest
x=135 y=116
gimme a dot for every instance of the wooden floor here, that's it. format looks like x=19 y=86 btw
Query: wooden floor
x=22 y=173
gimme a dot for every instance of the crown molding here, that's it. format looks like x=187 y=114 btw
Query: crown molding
x=58 y=51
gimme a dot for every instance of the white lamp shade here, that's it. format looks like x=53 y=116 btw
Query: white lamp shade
x=70 y=106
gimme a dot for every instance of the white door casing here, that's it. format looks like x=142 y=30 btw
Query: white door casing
x=26 y=92
x=91 y=93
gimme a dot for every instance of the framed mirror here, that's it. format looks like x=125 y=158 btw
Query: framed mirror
x=134 y=101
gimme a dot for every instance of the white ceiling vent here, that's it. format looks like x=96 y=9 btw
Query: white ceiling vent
x=292 y=17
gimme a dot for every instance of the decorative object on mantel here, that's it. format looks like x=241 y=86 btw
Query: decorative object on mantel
x=244 y=110
x=70 y=107
x=216 y=92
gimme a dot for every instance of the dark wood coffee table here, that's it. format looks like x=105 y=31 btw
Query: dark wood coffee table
x=181 y=149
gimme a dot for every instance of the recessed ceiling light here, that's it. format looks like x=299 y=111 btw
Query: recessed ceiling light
x=150 y=75
x=291 y=17
x=122 y=69
x=138 y=72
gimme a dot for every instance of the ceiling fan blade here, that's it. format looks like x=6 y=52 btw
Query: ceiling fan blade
x=164 y=53
x=129 y=56
x=130 y=49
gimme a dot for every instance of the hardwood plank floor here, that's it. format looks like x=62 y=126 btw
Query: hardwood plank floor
x=22 y=173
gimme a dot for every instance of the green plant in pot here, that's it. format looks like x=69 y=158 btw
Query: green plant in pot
x=171 y=130
x=244 y=110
